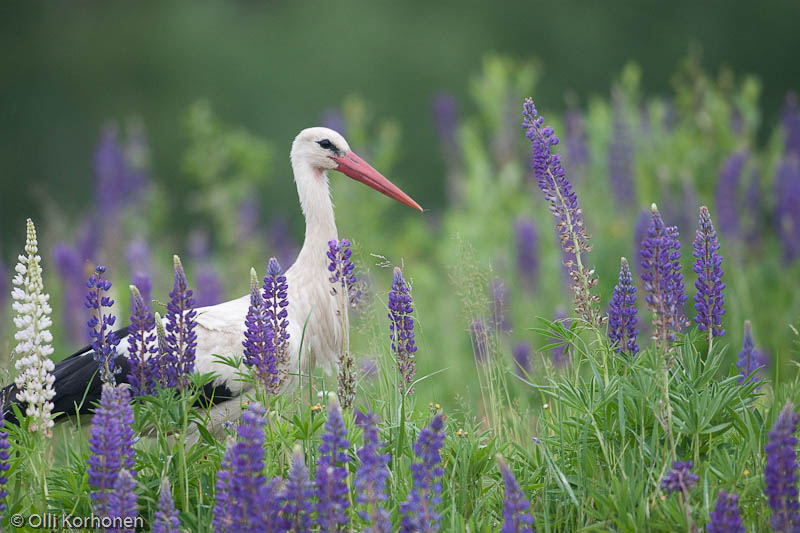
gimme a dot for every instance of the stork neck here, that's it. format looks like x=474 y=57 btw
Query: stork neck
x=315 y=202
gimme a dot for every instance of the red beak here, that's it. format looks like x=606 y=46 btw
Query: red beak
x=358 y=169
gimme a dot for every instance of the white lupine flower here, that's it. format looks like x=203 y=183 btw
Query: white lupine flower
x=32 y=307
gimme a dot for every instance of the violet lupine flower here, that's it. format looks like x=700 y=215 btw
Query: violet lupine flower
x=275 y=295
x=401 y=330
x=241 y=480
x=780 y=473
x=109 y=169
x=104 y=341
x=209 y=286
x=110 y=443
x=527 y=241
x=726 y=196
x=725 y=518
x=750 y=359
x=141 y=345
x=663 y=281
x=787 y=212
x=248 y=215
x=563 y=201
x=70 y=268
x=419 y=509
x=342 y=274
x=333 y=119
x=575 y=138
x=370 y=482
x=679 y=478
x=500 y=298
x=259 y=346
x=620 y=156
x=340 y=266
x=138 y=256
x=480 y=340
x=790 y=120
x=298 y=496
x=332 y=502
x=165 y=519
x=516 y=518
x=280 y=239
x=181 y=337
x=709 y=300
x=521 y=352
x=368 y=368
x=122 y=503
x=622 y=317
x=4 y=466
x=445 y=118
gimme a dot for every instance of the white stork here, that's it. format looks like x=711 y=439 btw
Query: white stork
x=220 y=328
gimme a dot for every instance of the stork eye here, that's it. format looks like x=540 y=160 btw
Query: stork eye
x=325 y=143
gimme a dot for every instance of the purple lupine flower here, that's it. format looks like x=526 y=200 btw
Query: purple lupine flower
x=333 y=119
x=790 y=121
x=104 y=341
x=401 y=330
x=248 y=215
x=527 y=241
x=138 y=256
x=709 y=299
x=480 y=340
x=419 y=509
x=563 y=201
x=445 y=118
x=679 y=478
x=332 y=502
x=575 y=138
x=780 y=473
x=560 y=354
x=88 y=241
x=109 y=169
x=622 y=317
x=70 y=269
x=165 y=519
x=787 y=211
x=181 y=337
x=370 y=482
x=280 y=239
x=500 y=299
x=297 y=498
x=516 y=518
x=259 y=345
x=4 y=466
x=141 y=345
x=241 y=480
x=110 y=443
x=275 y=294
x=340 y=266
x=122 y=503
x=209 y=286
x=521 y=353
x=750 y=359
x=726 y=197
x=368 y=367
x=725 y=518
x=620 y=156
x=663 y=281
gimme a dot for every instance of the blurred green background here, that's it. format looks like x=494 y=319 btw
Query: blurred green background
x=274 y=67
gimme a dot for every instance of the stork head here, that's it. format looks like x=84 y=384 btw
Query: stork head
x=324 y=149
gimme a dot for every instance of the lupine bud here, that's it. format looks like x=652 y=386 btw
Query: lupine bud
x=122 y=502
x=181 y=337
x=141 y=345
x=165 y=519
x=709 y=300
x=622 y=317
x=750 y=359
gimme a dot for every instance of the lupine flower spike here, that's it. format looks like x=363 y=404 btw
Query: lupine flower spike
x=298 y=497
x=401 y=330
x=419 y=510
x=750 y=359
x=527 y=259
x=370 y=483
x=4 y=466
x=343 y=276
x=110 y=443
x=141 y=344
x=276 y=297
x=122 y=502
x=680 y=478
x=101 y=330
x=557 y=189
x=663 y=281
x=780 y=473
x=259 y=346
x=725 y=518
x=165 y=519
x=516 y=517
x=241 y=484
x=181 y=337
x=32 y=320
x=160 y=365
x=332 y=502
x=709 y=302
x=622 y=319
